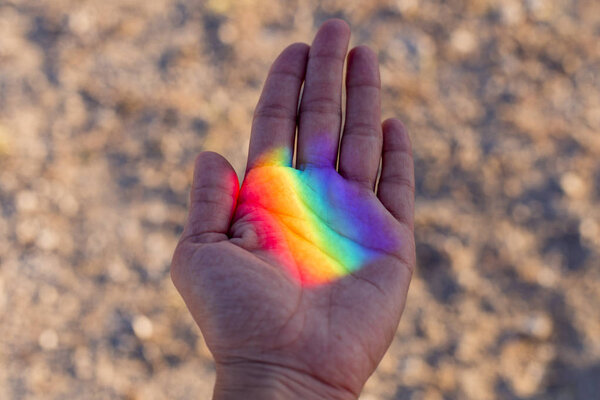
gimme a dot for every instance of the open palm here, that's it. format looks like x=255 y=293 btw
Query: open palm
x=298 y=279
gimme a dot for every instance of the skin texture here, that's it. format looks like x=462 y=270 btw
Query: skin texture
x=271 y=336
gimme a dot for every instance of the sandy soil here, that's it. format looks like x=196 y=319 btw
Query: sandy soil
x=104 y=104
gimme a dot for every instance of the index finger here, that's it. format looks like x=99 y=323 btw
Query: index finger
x=274 y=123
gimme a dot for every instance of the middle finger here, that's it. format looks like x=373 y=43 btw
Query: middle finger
x=320 y=109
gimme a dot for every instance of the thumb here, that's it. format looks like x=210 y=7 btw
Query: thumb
x=213 y=198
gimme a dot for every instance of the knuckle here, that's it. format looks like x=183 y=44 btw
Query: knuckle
x=363 y=129
x=274 y=111
x=364 y=84
x=361 y=179
x=328 y=56
x=210 y=194
x=322 y=105
x=287 y=74
x=400 y=180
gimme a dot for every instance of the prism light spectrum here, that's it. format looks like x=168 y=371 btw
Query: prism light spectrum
x=312 y=221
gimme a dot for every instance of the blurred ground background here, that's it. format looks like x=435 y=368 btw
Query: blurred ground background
x=103 y=106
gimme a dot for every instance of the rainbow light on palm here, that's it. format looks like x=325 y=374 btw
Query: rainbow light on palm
x=312 y=221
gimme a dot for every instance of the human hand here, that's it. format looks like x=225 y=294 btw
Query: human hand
x=298 y=280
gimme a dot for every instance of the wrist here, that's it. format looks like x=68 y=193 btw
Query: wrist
x=260 y=380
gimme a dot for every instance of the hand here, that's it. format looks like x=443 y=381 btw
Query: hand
x=298 y=280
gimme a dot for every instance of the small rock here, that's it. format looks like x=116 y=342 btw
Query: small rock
x=463 y=41
x=415 y=370
x=68 y=205
x=512 y=12
x=590 y=230
x=524 y=365
x=47 y=239
x=156 y=212
x=26 y=200
x=142 y=326
x=538 y=326
x=27 y=230
x=228 y=33
x=477 y=384
x=48 y=339
x=573 y=185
